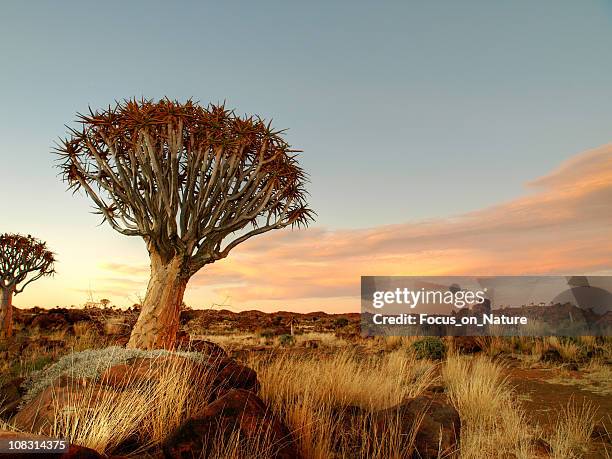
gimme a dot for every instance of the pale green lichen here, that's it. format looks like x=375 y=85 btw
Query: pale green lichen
x=90 y=364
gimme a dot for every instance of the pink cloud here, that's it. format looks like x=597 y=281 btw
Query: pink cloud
x=561 y=225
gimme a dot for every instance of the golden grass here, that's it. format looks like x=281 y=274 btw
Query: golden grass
x=328 y=403
x=491 y=424
x=568 y=350
x=573 y=429
x=148 y=409
x=242 y=340
x=346 y=379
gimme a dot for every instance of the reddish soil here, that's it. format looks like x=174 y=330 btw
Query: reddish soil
x=542 y=399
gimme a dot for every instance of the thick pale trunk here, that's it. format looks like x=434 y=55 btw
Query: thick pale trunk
x=6 y=312
x=158 y=322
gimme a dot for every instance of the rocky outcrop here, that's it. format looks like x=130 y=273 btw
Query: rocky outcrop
x=215 y=375
x=234 y=375
x=39 y=415
x=203 y=346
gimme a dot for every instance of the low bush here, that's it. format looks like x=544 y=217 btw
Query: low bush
x=429 y=348
x=286 y=340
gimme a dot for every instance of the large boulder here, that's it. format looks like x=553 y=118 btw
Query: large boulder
x=214 y=375
x=239 y=411
x=233 y=375
x=439 y=428
x=39 y=414
x=203 y=346
x=143 y=370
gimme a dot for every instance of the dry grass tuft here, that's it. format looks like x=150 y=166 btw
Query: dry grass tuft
x=573 y=430
x=491 y=424
x=144 y=413
x=328 y=403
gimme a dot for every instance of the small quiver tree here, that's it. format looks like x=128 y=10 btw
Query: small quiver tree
x=193 y=182
x=293 y=322
x=23 y=260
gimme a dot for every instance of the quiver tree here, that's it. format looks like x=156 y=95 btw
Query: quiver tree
x=193 y=182
x=293 y=322
x=23 y=260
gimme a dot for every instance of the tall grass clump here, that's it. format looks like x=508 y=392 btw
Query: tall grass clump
x=491 y=424
x=573 y=429
x=143 y=413
x=329 y=403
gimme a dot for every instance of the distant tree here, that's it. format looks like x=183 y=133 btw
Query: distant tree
x=293 y=322
x=104 y=302
x=193 y=182
x=23 y=260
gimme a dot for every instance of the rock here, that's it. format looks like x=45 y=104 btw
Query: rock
x=233 y=375
x=141 y=371
x=239 y=410
x=125 y=376
x=215 y=375
x=467 y=344
x=10 y=397
x=73 y=451
x=541 y=447
x=39 y=414
x=438 y=433
x=203 y=347
x=551 y=356
x=73 y=382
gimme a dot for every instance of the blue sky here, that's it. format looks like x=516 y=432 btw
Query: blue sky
x=405 y=110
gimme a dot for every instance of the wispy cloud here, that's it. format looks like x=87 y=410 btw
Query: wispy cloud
x=560 y=225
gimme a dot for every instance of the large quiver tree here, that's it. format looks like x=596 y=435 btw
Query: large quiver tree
x=193 y=182
x=23 y=260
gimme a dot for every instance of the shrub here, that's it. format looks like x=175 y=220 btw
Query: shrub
x=286 y=340
x=341 y=322
x=429 y=348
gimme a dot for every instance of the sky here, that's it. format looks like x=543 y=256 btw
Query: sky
x=440 y=137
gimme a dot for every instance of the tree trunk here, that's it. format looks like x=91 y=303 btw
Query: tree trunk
x=6 y=312
x=158 y=322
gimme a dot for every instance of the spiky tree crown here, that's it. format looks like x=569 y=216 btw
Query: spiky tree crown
x=23 y=259
x=185 y=177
